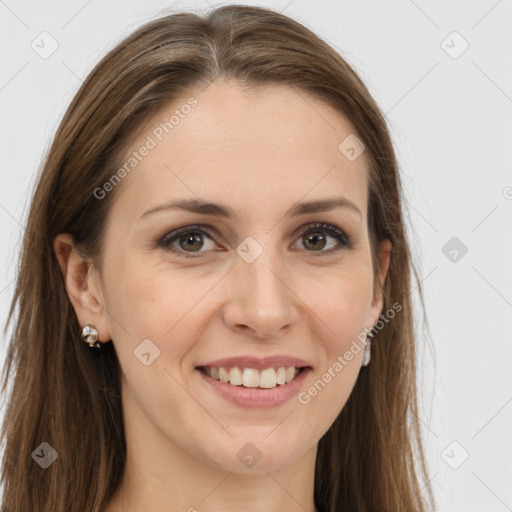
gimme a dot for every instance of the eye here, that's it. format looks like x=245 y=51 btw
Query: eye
x=189 y=240
x=189 y=237
x=315 y=238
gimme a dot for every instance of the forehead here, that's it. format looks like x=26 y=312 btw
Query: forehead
x=255 y=149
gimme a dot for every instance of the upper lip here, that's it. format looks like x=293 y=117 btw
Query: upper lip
x=257 y=363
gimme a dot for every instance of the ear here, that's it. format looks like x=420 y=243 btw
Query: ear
x=83 y=286
x=378 y=299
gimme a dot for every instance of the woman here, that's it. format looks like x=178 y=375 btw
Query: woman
x=219 y=217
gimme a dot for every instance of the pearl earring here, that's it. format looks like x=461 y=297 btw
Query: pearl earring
x=90 y=335
x=367 y=350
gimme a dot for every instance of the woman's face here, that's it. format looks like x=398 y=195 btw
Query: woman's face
x=251 y=285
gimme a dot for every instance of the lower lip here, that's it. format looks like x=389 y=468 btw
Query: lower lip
x=257 y=397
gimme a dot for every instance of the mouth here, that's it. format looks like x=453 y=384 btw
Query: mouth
x=251 y=378
x=250 y=388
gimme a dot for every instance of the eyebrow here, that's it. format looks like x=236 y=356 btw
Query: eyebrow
x=205 y=208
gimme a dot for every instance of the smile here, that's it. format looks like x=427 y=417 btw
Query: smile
x=239 y=387
x=251 y=377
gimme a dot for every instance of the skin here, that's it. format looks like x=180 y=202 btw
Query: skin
x=259 y=152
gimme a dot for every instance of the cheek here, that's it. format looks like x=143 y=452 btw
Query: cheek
x=150 y=305
x=171 y=307
x=342 y=317
x=344 y=307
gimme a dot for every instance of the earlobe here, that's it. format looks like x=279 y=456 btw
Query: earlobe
x=80 y=287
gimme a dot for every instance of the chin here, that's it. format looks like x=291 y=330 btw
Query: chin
x=262 y=454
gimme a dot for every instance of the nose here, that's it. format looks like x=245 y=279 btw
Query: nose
x=261 y=300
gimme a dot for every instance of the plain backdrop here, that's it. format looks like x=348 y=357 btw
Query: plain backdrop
x=441 y=72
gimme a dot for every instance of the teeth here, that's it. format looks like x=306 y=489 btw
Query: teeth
x=223 y=375
x=281 y=375
x=268 y=378
x=235 y=376
x=252 y=378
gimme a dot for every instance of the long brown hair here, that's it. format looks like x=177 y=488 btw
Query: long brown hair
x=371 y=459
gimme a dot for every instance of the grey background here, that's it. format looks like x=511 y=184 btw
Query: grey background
x=450 y=117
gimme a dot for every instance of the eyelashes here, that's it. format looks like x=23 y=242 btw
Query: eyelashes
x=189 y=235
